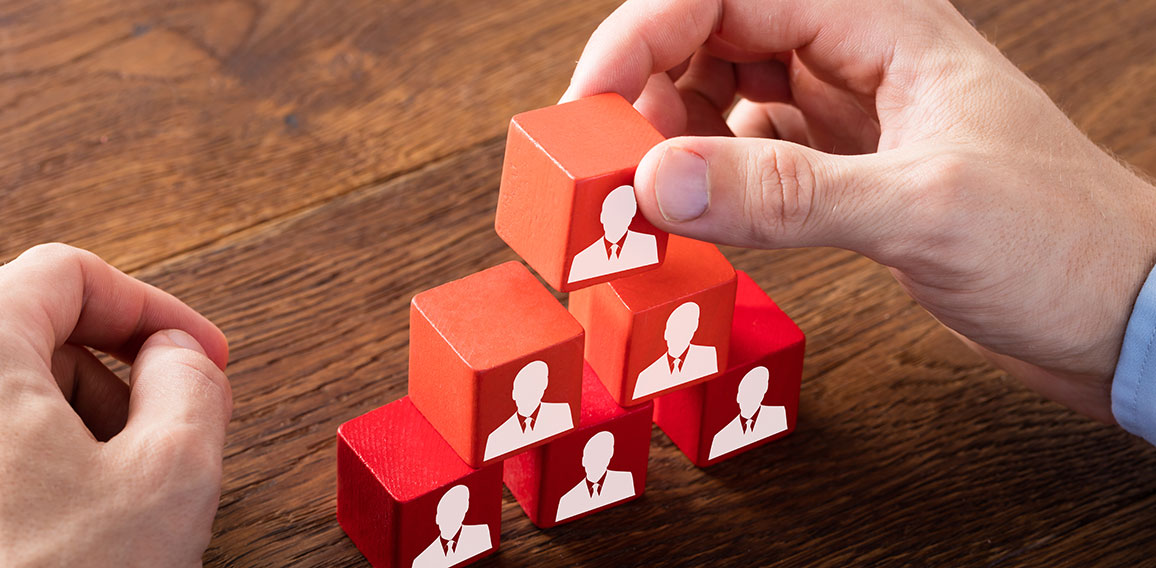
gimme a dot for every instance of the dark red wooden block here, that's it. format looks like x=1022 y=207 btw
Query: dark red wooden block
x=489 y=352
x=400 y=487
x=755 y=401
x=611 y=445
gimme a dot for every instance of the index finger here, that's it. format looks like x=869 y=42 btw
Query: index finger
x=55 y=294
x=643 y=37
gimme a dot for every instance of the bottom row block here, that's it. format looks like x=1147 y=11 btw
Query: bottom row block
x=406 y=499
x=600 y=464
x=755 y=401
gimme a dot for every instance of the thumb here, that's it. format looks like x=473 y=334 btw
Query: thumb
x=772 y=194
x=175 y=384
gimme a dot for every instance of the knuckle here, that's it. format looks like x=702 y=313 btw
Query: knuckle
x=27 y=402
x=56 y=261
x=942 y=187
x=208 y=381
x=941 y=201
x=195 y=454
x=58 y=254
x=946 y=171
x=180 y=451
x=784 y=187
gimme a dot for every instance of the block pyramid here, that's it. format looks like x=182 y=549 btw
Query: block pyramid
x=506 y=385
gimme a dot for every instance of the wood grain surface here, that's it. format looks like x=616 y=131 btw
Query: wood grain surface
x=298 y=170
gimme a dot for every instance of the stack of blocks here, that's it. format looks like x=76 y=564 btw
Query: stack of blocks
x=508 y=386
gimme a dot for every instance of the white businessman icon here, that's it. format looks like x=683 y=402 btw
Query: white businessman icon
x=455 y=542
x=619 y=248
x=755 y=422
x=600 y=486
x=682 y=362
x=533 y=420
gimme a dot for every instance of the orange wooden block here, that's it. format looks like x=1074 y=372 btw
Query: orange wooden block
x=567 y=198
x=495 y=363
x=661 y=330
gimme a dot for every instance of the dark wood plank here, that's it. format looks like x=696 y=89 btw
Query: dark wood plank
x=1094 y=59
x=142 y=129
x=305 y=237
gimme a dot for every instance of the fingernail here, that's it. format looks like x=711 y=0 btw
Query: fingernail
x=182 y=339
x=681 y=185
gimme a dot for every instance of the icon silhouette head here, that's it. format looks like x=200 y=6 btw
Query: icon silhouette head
x=596 y=455
x=452 y=510
x=752 y=389
x=529 y=385
x=680 y=328
x=618 y=210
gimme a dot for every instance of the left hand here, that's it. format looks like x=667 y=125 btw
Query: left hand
x=94 y=472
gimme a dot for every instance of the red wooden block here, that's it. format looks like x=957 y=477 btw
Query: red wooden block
x=755 y=401
x=567 y=198
x=403 y=494
x=555 y=483
x=495 y=363
x=660 y=330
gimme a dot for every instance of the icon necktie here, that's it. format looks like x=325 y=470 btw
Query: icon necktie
x=748 y=425
x=594 y=489
x=614 y=251
x=676 y=365
x=527 y=423
x=450 y=545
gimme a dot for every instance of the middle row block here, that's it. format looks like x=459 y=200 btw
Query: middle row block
x=495 y=363
x=662 y=330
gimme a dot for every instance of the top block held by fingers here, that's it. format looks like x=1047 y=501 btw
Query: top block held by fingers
x=495 y=363
x=567 y=202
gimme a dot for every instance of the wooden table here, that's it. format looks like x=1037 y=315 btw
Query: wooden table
x=298 y=170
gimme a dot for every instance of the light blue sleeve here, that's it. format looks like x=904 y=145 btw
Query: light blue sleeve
x=1134 y=385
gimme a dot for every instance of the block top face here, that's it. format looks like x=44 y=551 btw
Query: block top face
x=690 y=267
x=496 y=315
x=592 y=136
x=759 y=326
x=403 y=450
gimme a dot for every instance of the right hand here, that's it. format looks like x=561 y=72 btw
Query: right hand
x=893 y=129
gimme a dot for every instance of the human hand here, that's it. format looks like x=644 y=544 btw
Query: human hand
x=895 y=130
x=94 y=472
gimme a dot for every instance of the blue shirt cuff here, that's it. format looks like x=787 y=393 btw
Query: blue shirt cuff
x=1134 y=385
